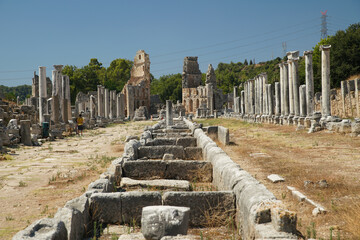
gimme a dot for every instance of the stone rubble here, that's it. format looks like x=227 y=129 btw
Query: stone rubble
x=112 y=200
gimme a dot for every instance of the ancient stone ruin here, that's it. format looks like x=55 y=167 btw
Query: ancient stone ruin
x=200 y=100
x=156 y=184
x=285 y=102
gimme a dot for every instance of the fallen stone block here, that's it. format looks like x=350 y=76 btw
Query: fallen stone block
x=157 y=152
x=161 y=141
x=132 y=204
x=76 y=217
x=172 y=169
x=212 y=130
x=275 y=178
x=181 y=237
x=267 y=231
x=106 y=207
x=203 y=205
x=168 y=156
x=223 y=135
x=200 y=171
x=159 y=184
x=144 y=169
x=102 y=185
x=283 y=220
x=193 y=153
x=159 y=221
x=46 y=228
x=128 y=138
x=186 y=142
x=131 y=149
x=132 y=236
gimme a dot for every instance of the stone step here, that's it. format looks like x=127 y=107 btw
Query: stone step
x=200 y=171
x=157 y=184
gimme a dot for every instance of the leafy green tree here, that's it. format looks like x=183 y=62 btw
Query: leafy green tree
x=117 y=74
x=168 y=87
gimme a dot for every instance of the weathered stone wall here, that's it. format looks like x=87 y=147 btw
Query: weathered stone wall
x=140 y=83
x=196 y=96
x=343 y=103
x=259 y=213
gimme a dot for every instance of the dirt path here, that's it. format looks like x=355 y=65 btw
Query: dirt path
x=36 y=181
x=298 y=156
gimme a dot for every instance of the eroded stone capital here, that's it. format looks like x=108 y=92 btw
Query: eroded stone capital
x=325 y=47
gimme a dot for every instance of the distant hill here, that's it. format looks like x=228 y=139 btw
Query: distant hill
x=10 y=93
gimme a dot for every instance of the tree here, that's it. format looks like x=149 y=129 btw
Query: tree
x=87 y=78
x=168 y=87
x=117 y=74
x=245 y=62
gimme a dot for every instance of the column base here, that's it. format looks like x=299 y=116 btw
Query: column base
x=307 y=122
x=290 y=120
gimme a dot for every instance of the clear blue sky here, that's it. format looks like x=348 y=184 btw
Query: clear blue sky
x=44 y=32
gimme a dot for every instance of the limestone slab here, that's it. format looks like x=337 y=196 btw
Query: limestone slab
x=275 y=178
x=157 y=152
x=202 y=204
x=159 y=221
x=158 y=184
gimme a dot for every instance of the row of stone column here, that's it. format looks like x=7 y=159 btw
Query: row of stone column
x=60 y=102
x=110 y=105
x=286 y=101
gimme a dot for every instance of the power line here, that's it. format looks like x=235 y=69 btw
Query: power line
x=236 y=40
x=207 y=61
x=239 y=46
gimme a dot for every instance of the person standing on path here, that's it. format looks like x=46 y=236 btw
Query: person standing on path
x=80 y=125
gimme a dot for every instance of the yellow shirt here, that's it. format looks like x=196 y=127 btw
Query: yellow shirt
x=80 y=121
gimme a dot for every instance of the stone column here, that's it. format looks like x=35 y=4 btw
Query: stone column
x=349 y=96
x=325 y=81
x=42 y=94
x=252 y=96
x=107 y=103
x=295 y=80
x=99 y=100
x=64 y=98
x=242 y=106
x=261 y=94
x=112 y=106
x=286 y=89
x=169 y=115
x=246 y=111
x=92 y=107
x=56 y=94
x=357 y=86
x=302 y=98
x=309 y=80
x=25 y=132
x=130 y=101
x=265 y=97
x=291 y=85
x=256 y=100
x=122 y=106
x=118 y=105
x=270 y=101
x=343 y=96
x=277 y=99
x=281 y=66
x=210 y=97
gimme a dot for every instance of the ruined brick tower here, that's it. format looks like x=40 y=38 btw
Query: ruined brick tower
x=137 y=89
x=197 y=98
x=191 y=77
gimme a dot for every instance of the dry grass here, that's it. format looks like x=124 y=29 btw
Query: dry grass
x=298 y=157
